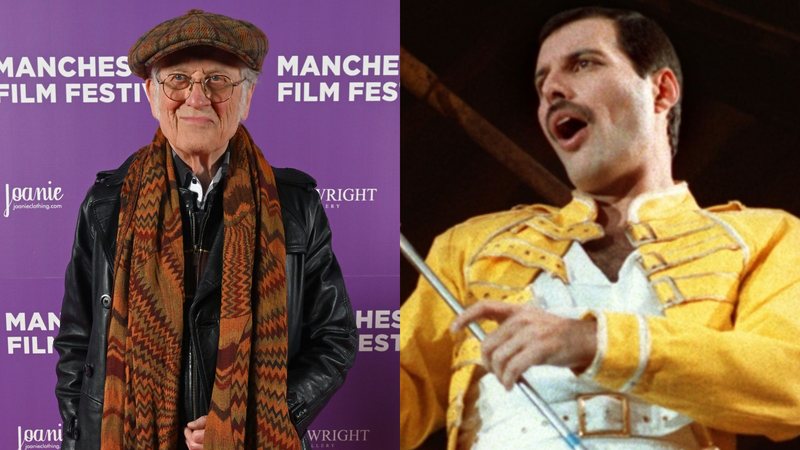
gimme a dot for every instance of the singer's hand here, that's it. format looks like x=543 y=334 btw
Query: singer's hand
x=529 y=336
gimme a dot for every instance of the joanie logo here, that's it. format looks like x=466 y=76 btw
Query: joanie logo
x=335 y=197
x=37 y=438
x=32 y=197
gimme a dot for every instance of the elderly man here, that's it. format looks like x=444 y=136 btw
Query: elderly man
x=644 y=321
x=203 y=305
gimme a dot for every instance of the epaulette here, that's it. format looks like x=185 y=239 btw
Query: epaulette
x=734 y=205
x=515 y=213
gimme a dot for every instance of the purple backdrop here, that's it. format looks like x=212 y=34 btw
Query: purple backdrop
x=69 y=108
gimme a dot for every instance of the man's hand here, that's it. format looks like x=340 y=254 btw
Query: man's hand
x=529 y=336
x=194 y=433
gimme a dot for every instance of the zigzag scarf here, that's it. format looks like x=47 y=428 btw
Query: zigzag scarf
x=248 y=402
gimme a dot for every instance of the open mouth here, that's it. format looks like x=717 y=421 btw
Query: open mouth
x=567 y=127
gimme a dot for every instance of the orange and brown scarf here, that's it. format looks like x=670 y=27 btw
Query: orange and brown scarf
x=248 y=401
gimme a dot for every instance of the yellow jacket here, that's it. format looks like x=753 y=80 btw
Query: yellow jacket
x=726 y=352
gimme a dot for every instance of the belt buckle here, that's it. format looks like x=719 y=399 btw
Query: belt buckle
x=623 y=431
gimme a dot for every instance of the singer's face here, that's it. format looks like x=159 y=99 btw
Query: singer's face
x=595 y=110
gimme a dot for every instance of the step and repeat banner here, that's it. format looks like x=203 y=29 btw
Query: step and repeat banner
x=327 y=103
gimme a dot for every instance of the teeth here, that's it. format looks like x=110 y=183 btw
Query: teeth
x=563 y=121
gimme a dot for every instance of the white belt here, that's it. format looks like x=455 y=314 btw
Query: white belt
x=601 y=419
x=616 y=415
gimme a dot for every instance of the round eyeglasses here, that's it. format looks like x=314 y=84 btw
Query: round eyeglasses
x=217 y=88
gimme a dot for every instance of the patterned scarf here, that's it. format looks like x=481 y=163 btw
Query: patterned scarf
x=143 y=366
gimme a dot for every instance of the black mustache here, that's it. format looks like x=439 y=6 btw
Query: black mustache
x=569 y=106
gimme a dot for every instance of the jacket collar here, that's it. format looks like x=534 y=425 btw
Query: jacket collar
x=649 y=206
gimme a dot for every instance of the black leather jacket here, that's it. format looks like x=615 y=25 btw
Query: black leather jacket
x=322 y=331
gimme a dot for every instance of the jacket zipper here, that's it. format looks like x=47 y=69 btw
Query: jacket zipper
x=196 y=247
x=198 y=242
x=193 y=400
x=190 y=363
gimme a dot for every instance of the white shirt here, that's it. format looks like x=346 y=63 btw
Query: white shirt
x=510 y=421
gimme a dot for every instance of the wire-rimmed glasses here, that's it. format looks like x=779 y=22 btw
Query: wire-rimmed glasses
x=217 y=88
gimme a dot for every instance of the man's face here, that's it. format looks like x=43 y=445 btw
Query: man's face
x=595 y=110
x=195 y=126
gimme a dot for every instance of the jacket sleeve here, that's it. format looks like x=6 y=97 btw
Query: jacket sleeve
x=426 y=347
x=739 y=379
x=329 y=335
x=76 y=323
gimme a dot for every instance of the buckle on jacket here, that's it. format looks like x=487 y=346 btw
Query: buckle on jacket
x=652 y=262
x=640 y=233
x=603 y=415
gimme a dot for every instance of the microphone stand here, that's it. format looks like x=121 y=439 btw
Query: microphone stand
x=570 y=438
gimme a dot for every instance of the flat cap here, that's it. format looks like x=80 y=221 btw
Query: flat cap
x=199 y=28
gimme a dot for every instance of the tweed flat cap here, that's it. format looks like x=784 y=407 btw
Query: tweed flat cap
x=199 y=28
